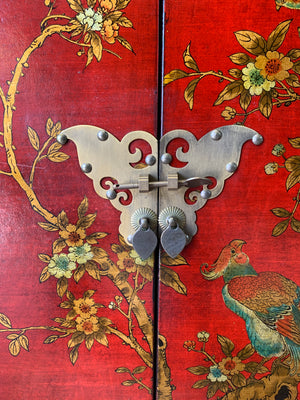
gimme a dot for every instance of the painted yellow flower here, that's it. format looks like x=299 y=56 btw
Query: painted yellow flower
x=110 y=31
x=126 y=262
x=87 y=325
x=73 y=236
x=85 y=307
x=254 y=81
x=274 y=66
x=231 y=366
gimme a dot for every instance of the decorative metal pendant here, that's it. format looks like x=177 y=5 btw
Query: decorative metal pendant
x=134 y=191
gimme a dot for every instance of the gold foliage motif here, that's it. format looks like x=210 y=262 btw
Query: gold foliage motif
x=274 y=88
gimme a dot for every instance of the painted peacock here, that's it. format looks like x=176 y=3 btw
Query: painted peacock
x=267 y=301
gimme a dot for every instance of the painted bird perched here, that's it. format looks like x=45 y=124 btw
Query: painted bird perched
x=267 y=301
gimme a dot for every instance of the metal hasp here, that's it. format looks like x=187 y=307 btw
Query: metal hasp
x=131 y=180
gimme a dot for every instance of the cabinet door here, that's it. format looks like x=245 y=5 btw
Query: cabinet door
x=236 y=63
x=76 y=302
x=81 y=313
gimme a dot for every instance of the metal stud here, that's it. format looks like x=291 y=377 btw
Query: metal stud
x=86 y=168
x=166 y=158
x=216 y=134
x=62 y=138
x=205 y=194
x=111 y=194
x=150 y=159
x=231 y=167
x=257 y=139
x=102 y=135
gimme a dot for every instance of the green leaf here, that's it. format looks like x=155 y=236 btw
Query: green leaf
x=280 y=228
x=295 y=224
x=277 y=37
x=49 y=126
x=33 y=138
x=5 y=321
x=240 y=58
x=295 y=142
x=24 y=342
x=293 y=80
x=92 y=269
x=125 y=43
x=246 y=352
x=58 y=245
x=91 y=3
x=189 y=60
x=251 y=41
x=174 y=75
x=75 y=5
x=226 y=345
x=122 y=370
x=238 y=380
x=86 y=221
x=167 y=260
x=45 y=275
x=281 y=212
x=78 y=273
x=293 y=179
x=231 y=91
x=235 y=72
x=199 y=370
x=62 y=286
x=74 y=355
x=212 y=390
x=96 y=46
x=265 y=104
x=139 y=370
x=170 y=278
x=245 y=99
x=189 y=92
x=14 y=347
x=128 y=383
x=58 y=157
x=51 y=339
x=296 y=67
x=124 y=21
x=201 y=384
x=94 y=237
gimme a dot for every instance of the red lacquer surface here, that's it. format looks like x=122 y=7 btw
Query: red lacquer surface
x=120 y=95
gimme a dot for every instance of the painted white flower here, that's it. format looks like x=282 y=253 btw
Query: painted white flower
x=80 y=254
x=216 y=375
x=203 y=336
x=60 y=265
x=254 y=81
x=93 y=19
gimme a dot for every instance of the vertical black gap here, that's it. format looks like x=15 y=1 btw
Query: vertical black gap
x=159 y=133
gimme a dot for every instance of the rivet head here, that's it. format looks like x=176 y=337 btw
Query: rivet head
x=205 y=194
x=231 y=167
x=166 y=158
x=102 y=135
x=257 y=139
x=150 y=159
x=111 y=194
x=61 y=138
x=216 y=134
x=129 y=239
x=86 y=168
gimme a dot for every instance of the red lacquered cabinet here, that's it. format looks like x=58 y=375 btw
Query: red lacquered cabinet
x=214 y=311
